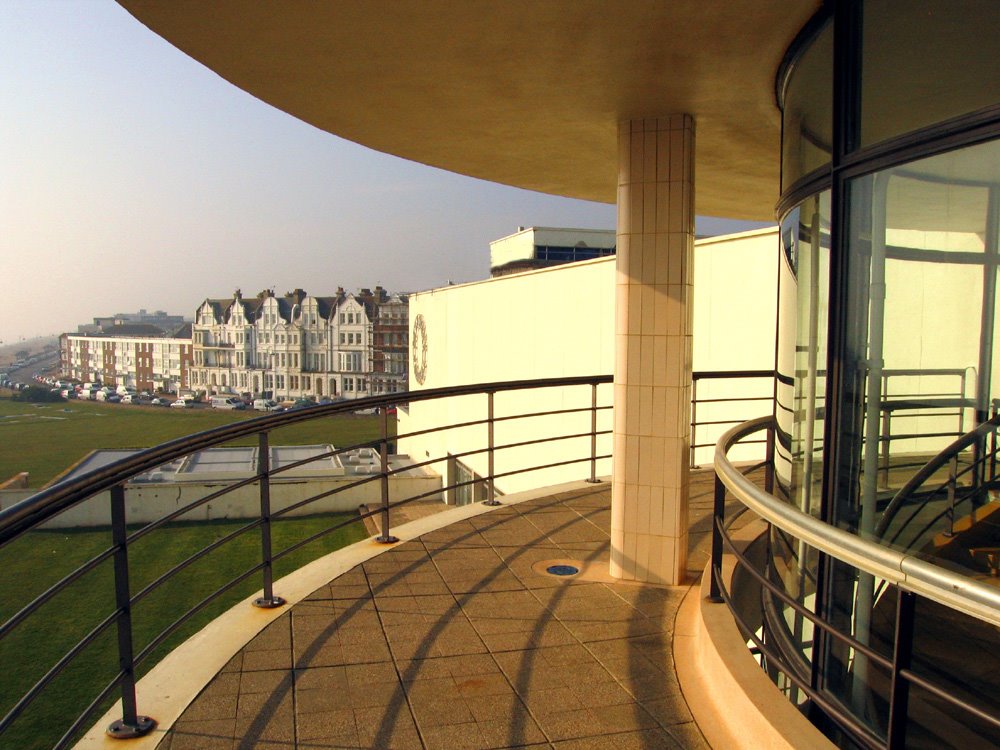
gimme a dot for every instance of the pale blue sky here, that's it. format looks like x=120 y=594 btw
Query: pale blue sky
x=131 y=176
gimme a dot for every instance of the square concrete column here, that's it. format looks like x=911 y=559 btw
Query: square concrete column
x=649 y=505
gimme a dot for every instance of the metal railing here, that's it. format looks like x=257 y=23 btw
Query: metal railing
x=19 y=520
x=913 y=578
x=964 y=482
x=758 y=396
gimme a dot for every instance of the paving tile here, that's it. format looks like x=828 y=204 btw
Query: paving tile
x=514 y=732
x=203 y=735
x=574 y=664
x=267 y=660
x=433 y=711
x=325 y=725
x=565 y=725
x=455 y=737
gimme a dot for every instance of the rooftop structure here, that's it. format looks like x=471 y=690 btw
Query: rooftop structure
x=540 y=247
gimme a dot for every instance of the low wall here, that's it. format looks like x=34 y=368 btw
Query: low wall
x=148 y=502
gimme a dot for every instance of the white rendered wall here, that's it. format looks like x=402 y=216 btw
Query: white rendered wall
x=554 y=322
x=558 y=322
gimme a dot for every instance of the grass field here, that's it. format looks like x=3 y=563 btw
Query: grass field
x=46 y=439
x=35 y=562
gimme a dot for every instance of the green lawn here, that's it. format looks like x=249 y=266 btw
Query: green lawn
x=41 y=558
x=46 y=439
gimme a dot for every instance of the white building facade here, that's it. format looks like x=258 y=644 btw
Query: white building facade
x=300 y=345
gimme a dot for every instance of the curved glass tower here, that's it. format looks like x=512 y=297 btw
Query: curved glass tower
x=890 y=227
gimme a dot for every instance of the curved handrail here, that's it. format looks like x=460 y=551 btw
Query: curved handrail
x=904 y=570
x=51 y=501
x=114 y=477
x=930 y=468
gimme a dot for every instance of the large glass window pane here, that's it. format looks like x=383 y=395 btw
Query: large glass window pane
x=926 y=61
x=802 y=351
x=807 y=119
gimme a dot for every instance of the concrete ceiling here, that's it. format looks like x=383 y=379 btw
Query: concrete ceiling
x=520 y=92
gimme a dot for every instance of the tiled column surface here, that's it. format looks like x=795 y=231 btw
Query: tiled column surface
x=649 y=519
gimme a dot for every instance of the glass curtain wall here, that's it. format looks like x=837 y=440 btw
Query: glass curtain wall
x=890 y=226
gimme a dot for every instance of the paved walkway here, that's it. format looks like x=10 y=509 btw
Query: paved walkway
x=455 y=640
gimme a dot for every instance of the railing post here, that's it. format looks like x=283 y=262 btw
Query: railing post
x=902 y=653
x=769 y=461
x=718 y=518
x=884 y=447
x=131 y=724
x=385 y=537
x=694 y=422
x=490 y=489
x=593 y=435
x=268 y=600
x=952 y=487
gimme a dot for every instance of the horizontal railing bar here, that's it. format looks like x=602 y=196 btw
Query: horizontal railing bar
x=63 y=495
x=323 y=532
x=139 y=596
x=554 y=412
x=734 y=374
x=321 y=457
x=699 y=423
x=175 y=514
x=961 y=703
x=44 y=597
x=539 y=441
x=328 y=493
x=56 y=668
x=831 y=708
x=742 y=442
x=943 y=586
x=153 y=644
x=732 y=400
x=931 y=467
x=549 y=466
x=800 y=608
x=85 y=715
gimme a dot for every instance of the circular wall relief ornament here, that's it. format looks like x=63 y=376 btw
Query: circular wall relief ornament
x=419 y=344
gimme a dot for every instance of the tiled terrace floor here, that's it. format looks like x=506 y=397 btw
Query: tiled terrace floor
x=453 y=641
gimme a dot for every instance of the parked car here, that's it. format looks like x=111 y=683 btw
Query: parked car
x=160 y=402
x=113 y=398
x=226 y=402
x=130 y=398
x=182 y=403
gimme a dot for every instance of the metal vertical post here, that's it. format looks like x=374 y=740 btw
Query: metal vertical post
x=902 y=653
x=952 y=487
x=268 y=600
x=490 y=489
x=769 y=460
x=131 y=724
x=385 y=537
x=694 y=422
x=718 y=517
x=593 y=435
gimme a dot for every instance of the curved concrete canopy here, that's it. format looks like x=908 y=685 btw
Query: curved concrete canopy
x=521 y=92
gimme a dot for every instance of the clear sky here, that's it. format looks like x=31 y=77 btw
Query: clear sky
x=132 y=176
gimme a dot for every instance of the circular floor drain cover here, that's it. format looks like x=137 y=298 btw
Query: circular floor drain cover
x=562 y=570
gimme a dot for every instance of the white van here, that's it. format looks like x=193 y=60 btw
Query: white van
x=227 y=402
x=265 y=404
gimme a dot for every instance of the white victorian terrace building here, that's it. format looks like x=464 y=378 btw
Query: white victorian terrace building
x=301 y=346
